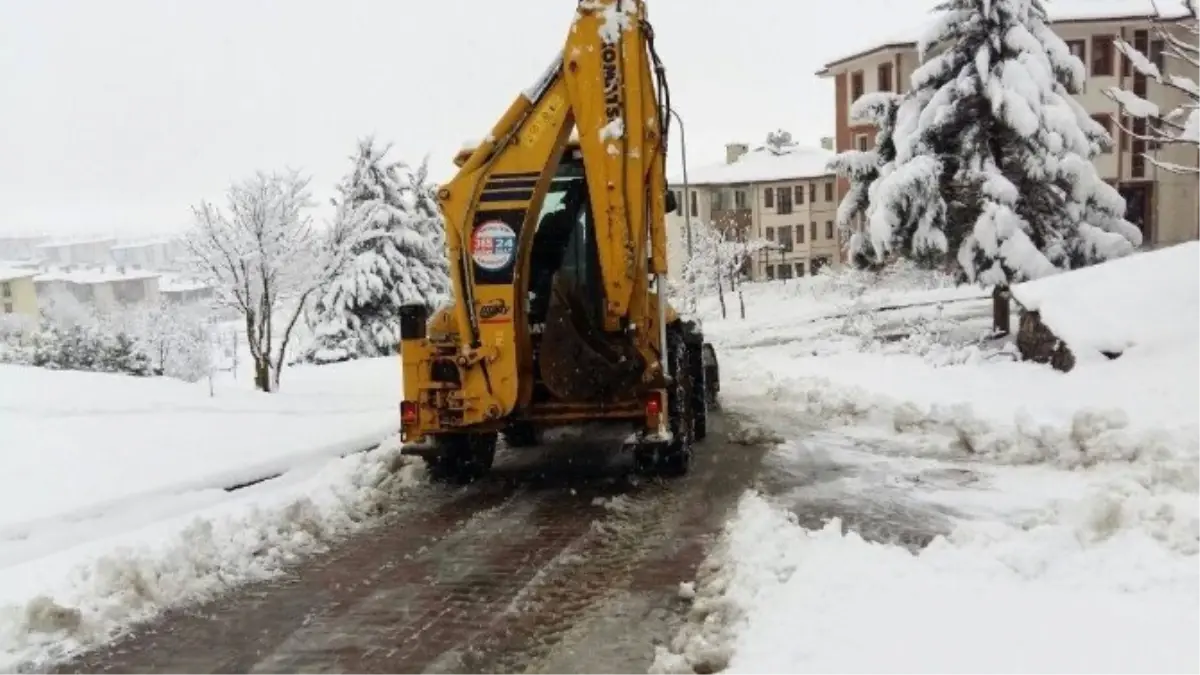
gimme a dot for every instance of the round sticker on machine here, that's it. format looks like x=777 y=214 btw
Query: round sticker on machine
x=494 y=245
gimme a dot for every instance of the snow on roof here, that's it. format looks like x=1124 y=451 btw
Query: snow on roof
x=1059 y=10
x=142 y=243
x=11 y=273
x=57 y=243
x=1142 y=301
x=95 y=275
x=761 y=165
x=176 y=283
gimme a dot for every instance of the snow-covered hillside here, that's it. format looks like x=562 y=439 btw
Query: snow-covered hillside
x=993 y=514
x=112 y=499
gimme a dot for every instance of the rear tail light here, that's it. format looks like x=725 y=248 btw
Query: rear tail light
x=408 y=412
x=653 y=405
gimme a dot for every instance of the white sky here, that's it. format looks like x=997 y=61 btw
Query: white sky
x=117 y=115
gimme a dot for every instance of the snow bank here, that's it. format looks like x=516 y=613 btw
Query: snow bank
x=1138 y=304
x=53 y=607
x=74 y=444
x=937 y=379
x=1049 y=597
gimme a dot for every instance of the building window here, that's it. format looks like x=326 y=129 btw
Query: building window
x=812 y=193
x=829 y=230
x=829 y=192
x=1141 y=42
x=799 y=190
x=856 y=85
x=799 y=234
x=785 y=201
x=1156 y=55
x=769 y=198
x=785 y=272
x=717 y=200
x=799 y=269
x=678 y=202
x=770 y=272
x=883 y=77
x=1078 y=49
x=770 y=234
x=695 y=206
x=5 y=290
x=860 y=142
x=812 y=231
x=819 y=263
x=785 y=239
x=1105 y=121
x=739 y=199
x=8 y=308
x=1137 y=160
x=1102 y=55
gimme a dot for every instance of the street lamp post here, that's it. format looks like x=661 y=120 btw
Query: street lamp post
x=687 y=210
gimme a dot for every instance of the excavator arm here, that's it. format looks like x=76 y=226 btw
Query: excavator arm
x=608 y=86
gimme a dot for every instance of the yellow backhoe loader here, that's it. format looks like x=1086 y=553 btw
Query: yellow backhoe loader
x=557 y=240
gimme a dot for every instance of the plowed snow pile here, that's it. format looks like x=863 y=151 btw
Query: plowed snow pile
x=1075 y=530
x=112 y=499
x=1080 y=597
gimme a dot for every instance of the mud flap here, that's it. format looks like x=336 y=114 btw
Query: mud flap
x=577 y=363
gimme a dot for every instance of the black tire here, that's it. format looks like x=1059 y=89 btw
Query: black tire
x=712 y=374
x=522 y=435
x=699 y=391
x=676 y=458
x=463 y=458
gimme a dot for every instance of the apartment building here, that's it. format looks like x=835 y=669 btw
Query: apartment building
x=19 y=247
x=1165 y=205
x=108 y=289
x=154 y=254
x=17 y=293
x=782 y=194
x=83 y=251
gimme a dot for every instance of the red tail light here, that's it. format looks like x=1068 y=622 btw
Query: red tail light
x=408 y=412
x=653 y=405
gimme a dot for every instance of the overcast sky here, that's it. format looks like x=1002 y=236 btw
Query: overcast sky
x=119 y=114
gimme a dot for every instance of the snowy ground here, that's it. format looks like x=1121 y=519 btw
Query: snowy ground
x=1059 y=511
x=92 y=464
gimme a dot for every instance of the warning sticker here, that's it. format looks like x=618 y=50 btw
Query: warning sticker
x=494 y=245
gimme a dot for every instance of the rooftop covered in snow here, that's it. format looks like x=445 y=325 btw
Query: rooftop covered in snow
x=762 y=165
x=94 y=275
x=916 y=17
x=13 y=273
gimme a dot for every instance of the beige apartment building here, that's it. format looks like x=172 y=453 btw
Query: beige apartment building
x=784 y=195
x=1165 y=205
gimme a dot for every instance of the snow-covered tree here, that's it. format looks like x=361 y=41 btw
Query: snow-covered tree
x=1181 y=60
x=176 y=338
x=399 y=259
x=264 y=259
x=862 y=168
x=993 y=153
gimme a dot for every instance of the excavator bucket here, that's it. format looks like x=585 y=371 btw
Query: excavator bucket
x=578 y=364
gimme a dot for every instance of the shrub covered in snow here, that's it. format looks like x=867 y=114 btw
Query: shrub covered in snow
x=398 y=259
x=163 y=339
x=993 y=153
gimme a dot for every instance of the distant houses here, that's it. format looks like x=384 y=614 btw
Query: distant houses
x=106 y=273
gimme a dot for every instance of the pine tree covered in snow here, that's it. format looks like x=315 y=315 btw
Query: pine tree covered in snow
x=399 y=258
x=862 y=168
x=993 y=154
